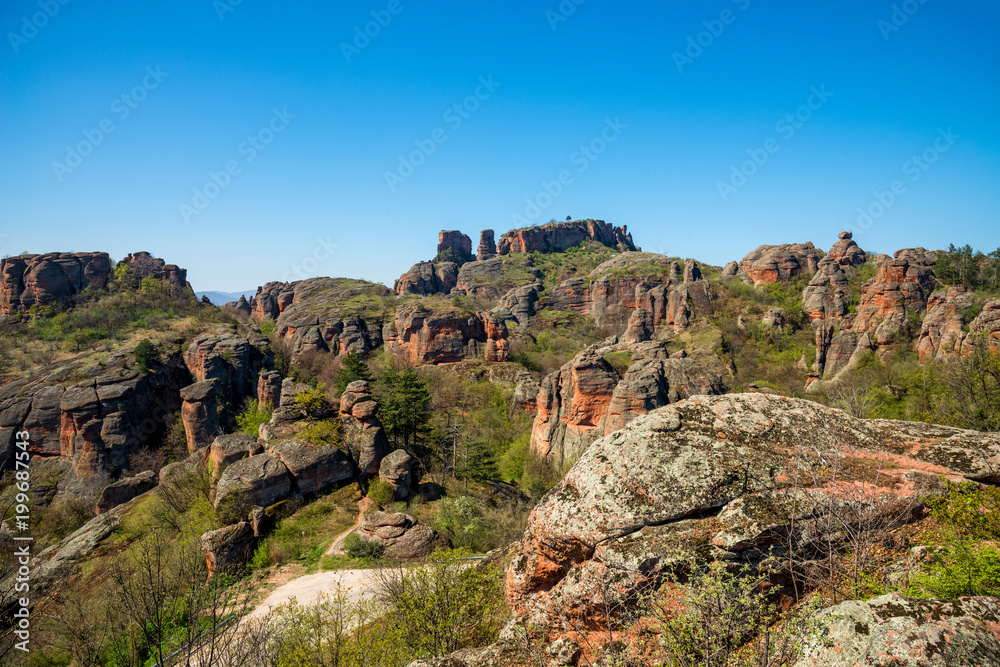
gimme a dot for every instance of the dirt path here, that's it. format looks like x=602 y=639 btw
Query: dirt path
x=337 y=546
x=355 y=584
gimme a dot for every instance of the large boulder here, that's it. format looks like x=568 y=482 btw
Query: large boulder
x=313 y=467
x=779 y=263
x=908 y=632
x=200 y=414
x=557 y=236
x=402 y=536
x=673 y=476
x=258 y=480
x=228 y=549
x=397 y=471
x=49 y=279
x=364 y=435
x=227 y=449
x=125 y=490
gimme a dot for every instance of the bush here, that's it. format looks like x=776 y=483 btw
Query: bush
x=352 y=367
x=314 y=401
x=356 y=546
x=328 y=432
x=253 y=416
x=146 y=355
x=381 y=492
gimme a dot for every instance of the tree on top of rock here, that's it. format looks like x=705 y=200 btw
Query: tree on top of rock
x=352 y=367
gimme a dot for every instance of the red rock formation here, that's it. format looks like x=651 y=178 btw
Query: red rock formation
x=827 y=294
x=420 y=336
x=986 y=324
x=564 y=235
x=454 y=246
x=779 y=263
x=199 y=412
x=710 y=464
x=269 y=388
x=428 y=278
x=145 y=265
x=363 y=432
x=487 y=246
x=942 y=331
x=497 y=345
x=587 y=398
x=49 y=279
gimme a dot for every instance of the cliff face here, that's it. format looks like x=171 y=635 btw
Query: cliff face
x=778 y=263
x=558 y=236
x=49 y=279
x=587 y=398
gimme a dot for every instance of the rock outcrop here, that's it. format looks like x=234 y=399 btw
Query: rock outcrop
x=396 y=470
x=556 y=236
x=987 y=325
x=50 y=279
x=487 y=246
x=363 y=432
x=454 y=246
x=125 y=490
x=401 y=536
x=827 y=295
x=233 y=361
x=673 y=475
x=896 y=630
x=228 y=549
x=901 y=288
x=144 y=265
x=313 y=468
x=943 y=330
x=199 y=412
x=779 y=263
x=257 y=480
x=586 y=399
x=421 y=336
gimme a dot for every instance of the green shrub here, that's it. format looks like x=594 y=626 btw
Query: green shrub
x=267 y=327
x=352 y=368
x=146 y=355
x=314 y=400
x=381 y=492
x=328 y=432
x=252 y=417
x=356 y=546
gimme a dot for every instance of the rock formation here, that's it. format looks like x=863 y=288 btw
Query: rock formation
x=487 y=246
x=396 y=470
x=942 y=332
x=614 y=518
x=144 y=265
x=258 y=480
x=827 y=295
x=454 y=246
x=313 y=468
x=401 y=536
x=557 y=236
x=125 y=490
x=420 y=336
x=199 y=413
x=587 y=399
x=363 y=432
x=228 y=549
x=779 y=263
x=425 y=278
x=50 y=279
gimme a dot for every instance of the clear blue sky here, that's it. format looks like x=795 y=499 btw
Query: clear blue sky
x=322 y=178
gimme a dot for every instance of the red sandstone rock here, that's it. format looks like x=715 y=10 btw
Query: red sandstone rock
x=49 y=279
x=941 y=333
x=487 y=246
x=771 y=264
x=454 y=246
x=564 y=235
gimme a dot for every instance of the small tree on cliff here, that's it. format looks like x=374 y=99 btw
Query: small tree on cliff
x=352 y=367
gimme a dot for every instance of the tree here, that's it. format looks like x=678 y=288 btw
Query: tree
x=973 y=381
x=404 y=405
x=146 y=355
x=352 y=368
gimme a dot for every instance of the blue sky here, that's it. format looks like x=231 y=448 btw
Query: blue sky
x=202 y=82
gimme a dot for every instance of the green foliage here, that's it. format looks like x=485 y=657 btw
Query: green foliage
x=267 y=327
x=314 y=401
x=381 y=492
x=253 y=416
x=512 y=463
x=352 y=368
x=620 y=361
x=359 y=547
x=146 y=355
x=557 y=337
x=968 y=268
x=968 y=561
x=403 y=404
x=323 y=433
x=724 y=618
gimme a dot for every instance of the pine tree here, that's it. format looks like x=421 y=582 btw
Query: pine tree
x=404 y=405
x=352 y=367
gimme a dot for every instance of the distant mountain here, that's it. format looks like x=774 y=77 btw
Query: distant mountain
x=222 y=298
